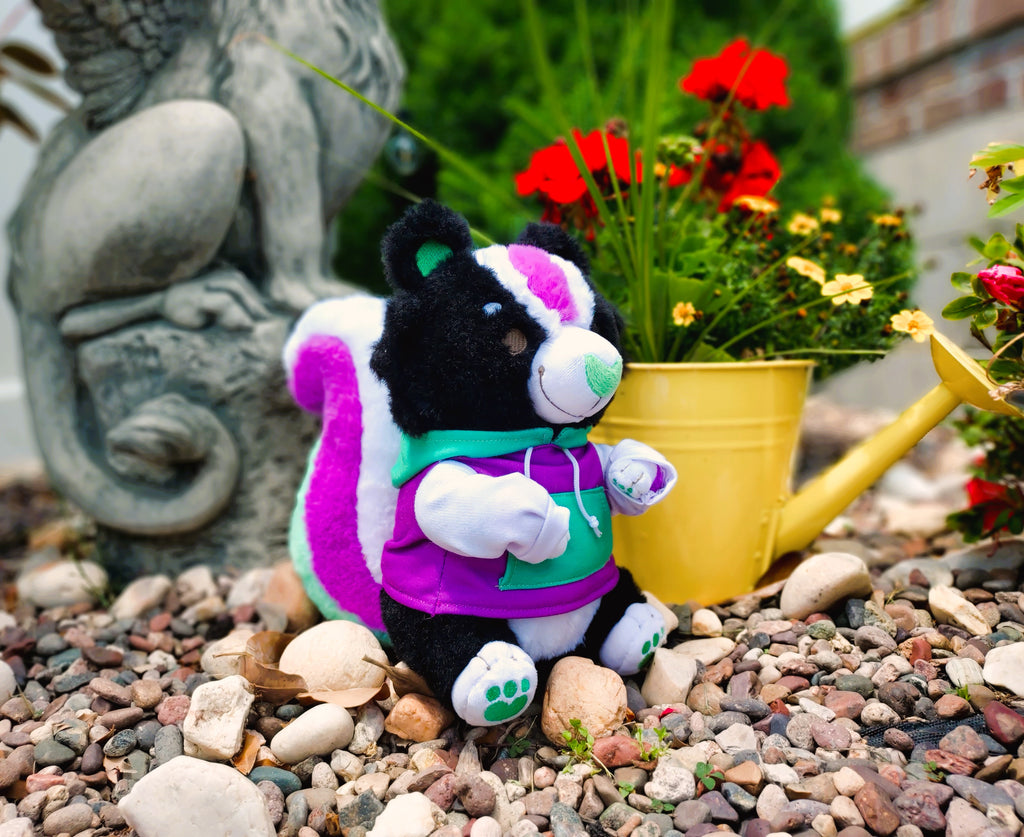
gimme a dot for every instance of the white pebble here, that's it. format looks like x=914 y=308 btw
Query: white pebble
x=316 y=732
x=330 y=656
x=215 y=723
x=409 y=815
x=187 y=796
x=821 y=581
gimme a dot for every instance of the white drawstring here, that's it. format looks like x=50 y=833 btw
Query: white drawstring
x=592 y=520
x=526 y=462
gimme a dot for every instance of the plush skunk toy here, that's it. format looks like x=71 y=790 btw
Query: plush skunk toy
x=459 y=507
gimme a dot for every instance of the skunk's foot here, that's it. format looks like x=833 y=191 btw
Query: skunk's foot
x=497 y=685
x=632 y=642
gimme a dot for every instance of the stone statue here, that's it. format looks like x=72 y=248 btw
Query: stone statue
x=175 y=223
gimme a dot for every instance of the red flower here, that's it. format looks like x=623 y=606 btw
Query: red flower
x=1004 y=283
x=553 y=172
x=758 y=78
x=758 y=171
x=993 y=497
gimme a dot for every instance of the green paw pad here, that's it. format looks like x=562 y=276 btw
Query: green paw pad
x=507 y=701
x=649 y=648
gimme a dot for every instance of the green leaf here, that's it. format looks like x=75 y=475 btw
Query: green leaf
x=997 y=154
x=976 y=244
x=965 y=306
x=996 y=247
x=962 y=281
x=1004 y=206
x=703 y=353
x=1012 y=185
x=987 y=317
x=1003 y=370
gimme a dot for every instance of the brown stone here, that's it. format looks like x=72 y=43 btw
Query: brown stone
x=442 y=792
x=109 y=690
x=418 y=718
x=146 y=693
x=880 y=815
x=993 y=769
x=949 y=763
x=705 y=698
x=949 y=707
x=103 y=657
x=1005 y=725
x=616 y=750
x=747 y=775
x=773 y=691
x=122 y=718
x=286 y=591
x=964 y=742
x=580 y=690
x=718 y=673
x=428 y=777
x=845 y=704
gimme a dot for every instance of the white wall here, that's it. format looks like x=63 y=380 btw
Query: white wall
x=17 y=157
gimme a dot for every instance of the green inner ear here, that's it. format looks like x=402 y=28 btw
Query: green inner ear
x=430 y=255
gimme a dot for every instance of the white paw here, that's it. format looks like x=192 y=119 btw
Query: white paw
x=634 y=478
x=497 y=685
x=633 y=640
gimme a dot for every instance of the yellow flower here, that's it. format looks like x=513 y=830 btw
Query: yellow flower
x=756 y=204
x=888 y=220
x=805 y=267
x=684 y=313
x=850 y=288
x=802 y=224
x=831 y=216
x=915 y=323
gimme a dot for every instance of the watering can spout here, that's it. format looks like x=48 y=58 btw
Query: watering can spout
x=808 y=512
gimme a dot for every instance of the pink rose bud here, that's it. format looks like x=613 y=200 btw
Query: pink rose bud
x=1004 y=283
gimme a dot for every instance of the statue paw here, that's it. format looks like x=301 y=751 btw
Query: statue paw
x=224 y=297
x=297 y=293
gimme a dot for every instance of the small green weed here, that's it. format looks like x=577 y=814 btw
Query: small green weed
x=708 y=776
x=652 y=752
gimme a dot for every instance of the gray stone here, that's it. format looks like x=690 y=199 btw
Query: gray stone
x=141 y=267
x=980 y=794
x=672 y=781
x=68 y=820
x=564 y=821
x=121 y=743
x=169 y=742
x=617 y=815
x=50 y=751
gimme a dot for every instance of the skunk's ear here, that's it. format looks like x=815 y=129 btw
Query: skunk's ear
x=554 y=239
x=427 y=235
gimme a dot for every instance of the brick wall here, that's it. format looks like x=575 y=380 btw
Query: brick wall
x=935 y=63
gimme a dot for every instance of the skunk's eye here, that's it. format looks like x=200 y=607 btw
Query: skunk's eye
x=492 y=308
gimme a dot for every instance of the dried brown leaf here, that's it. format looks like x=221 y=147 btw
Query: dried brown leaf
x=267 y=646
x=405 y=680
x=245 y=759
x=258 y=664
x=347 y=698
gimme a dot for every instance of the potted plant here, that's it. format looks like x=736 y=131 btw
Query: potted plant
x=730 y=300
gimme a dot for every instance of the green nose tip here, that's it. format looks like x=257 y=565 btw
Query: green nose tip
x=602 y=377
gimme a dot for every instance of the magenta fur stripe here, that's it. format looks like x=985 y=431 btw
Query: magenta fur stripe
x=324 y=378
x=545 y=279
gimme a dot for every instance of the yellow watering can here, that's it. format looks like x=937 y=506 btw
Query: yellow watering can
x=731 y=430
